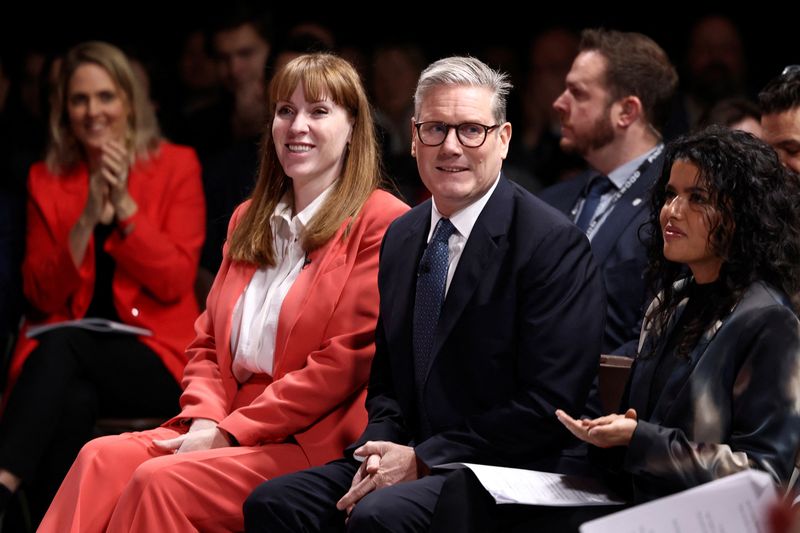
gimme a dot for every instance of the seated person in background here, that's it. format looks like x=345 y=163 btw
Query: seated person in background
x=735 y=114
x=714 y=388
x=114 y=229
x=276 y=377
x=613 y=110
x=491 y=314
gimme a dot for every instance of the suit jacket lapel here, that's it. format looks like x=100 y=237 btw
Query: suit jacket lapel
x=301 y=290
x=397 y=298
x=635 y=199
x=482 y=246
x=73 y=190
x=399 y=263
x=236 y=279
x=570 y=193
x=680 y=379
x=642 y=378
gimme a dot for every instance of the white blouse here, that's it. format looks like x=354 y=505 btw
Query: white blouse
x=255 y=315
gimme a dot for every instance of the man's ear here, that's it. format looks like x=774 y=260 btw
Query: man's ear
x=630 y=110
x=413 y=138
x=505 y=138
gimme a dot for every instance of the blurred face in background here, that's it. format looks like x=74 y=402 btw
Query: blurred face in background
x=551 y=56
x=750 y=125
x=715 y=59
x=196 y=67
x=242 y=56
x=97 y=108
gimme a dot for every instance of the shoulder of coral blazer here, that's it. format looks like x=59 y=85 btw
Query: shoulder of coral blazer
x=312 y=299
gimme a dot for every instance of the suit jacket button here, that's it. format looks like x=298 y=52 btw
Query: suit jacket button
x=135 y=311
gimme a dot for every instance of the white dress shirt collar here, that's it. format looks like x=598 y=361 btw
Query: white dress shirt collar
x=465 y=218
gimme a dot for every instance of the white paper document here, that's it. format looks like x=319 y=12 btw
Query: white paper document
x=101 y=325
x=528 y=487
x=734 y=504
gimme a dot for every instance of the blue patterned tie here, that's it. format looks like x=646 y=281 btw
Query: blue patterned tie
x=599 y=186
x=431 y=282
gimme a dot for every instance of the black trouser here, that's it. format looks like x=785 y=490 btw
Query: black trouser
x=70 y=379
x=306 y=501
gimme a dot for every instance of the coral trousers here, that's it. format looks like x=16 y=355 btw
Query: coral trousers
x=123 y=483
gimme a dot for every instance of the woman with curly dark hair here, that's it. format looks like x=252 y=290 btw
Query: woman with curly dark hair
x=714 y=389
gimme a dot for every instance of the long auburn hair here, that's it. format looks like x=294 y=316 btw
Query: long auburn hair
x=321 y=76
x=753 y=220
x=143 y=136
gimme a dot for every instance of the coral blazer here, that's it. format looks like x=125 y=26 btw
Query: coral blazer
x=156 y=263
x=323 y=347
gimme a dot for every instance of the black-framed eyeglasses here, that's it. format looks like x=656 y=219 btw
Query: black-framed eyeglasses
x=469 y=134
x=790 y=71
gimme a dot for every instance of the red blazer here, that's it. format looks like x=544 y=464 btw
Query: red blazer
x=323 y=347
x=156 y=263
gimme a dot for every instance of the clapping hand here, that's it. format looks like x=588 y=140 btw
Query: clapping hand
x=113 y=169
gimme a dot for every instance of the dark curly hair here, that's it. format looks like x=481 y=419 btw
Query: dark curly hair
x=754 y=225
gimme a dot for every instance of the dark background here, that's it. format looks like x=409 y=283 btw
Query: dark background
x=154 y=29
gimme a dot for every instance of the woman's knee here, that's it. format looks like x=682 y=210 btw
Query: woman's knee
x=100 y=450
x=58 y=348
x=157 y=475
x=60 y=338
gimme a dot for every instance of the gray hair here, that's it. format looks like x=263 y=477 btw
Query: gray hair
x=468 y=71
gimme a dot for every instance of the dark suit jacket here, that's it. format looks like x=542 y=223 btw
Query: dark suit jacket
x=735 y=406
x=519 y=336
x=619 y=252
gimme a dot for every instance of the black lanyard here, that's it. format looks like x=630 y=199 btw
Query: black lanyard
x=617 y=195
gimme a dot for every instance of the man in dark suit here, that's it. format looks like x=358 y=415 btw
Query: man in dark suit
x=491 y=317
x=617 y=99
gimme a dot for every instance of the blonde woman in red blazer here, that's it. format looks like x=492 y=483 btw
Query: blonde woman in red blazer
x=240 y=425
x=115 y=226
